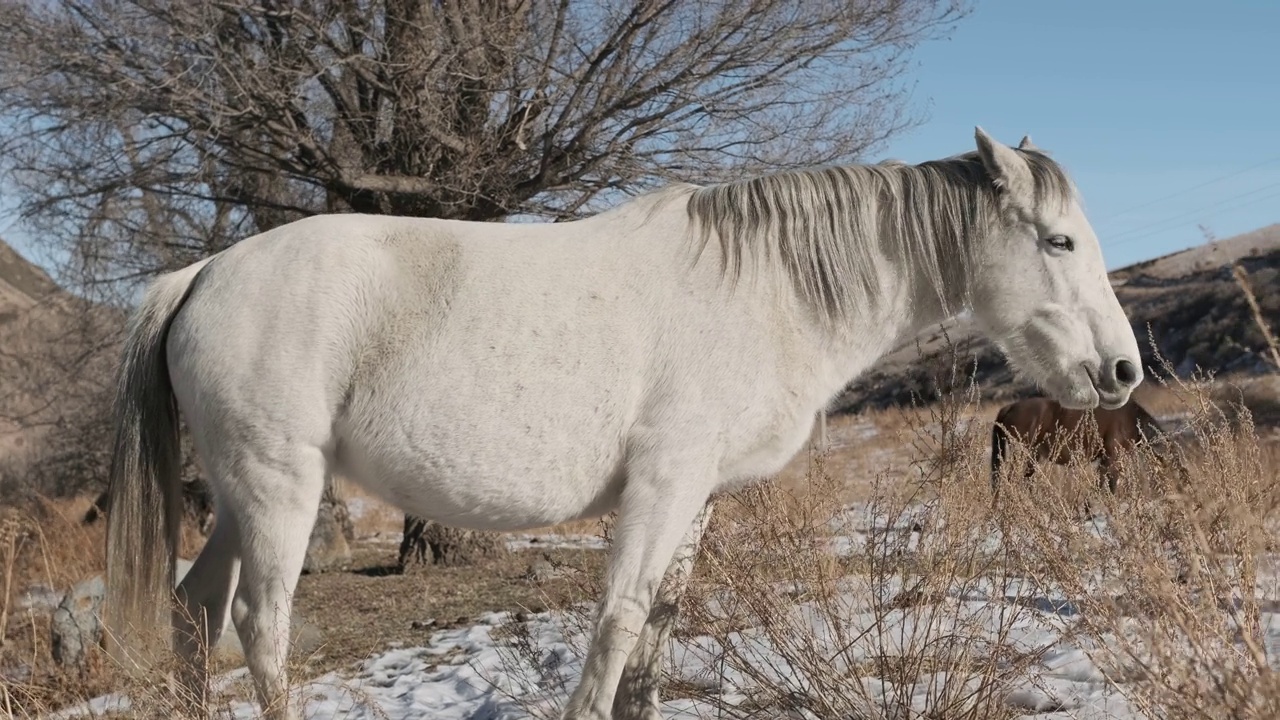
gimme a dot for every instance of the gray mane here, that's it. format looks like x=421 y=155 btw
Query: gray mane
x=830 y=228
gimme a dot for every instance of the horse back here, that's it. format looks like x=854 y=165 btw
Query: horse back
x=1029 y=420
x=1129 y=424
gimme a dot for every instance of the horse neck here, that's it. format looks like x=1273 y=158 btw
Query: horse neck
x=834 y=351
x=907 y=305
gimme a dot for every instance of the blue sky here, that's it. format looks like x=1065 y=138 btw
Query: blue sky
x=1139 y=99
x=1142 y=100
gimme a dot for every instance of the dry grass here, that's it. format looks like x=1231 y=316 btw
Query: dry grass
x=1164 y=594
x=43 y=545
x=45 y=548
x=1246 y=288
x=796 y=619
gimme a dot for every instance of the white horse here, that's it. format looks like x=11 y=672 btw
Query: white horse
x=507 y=376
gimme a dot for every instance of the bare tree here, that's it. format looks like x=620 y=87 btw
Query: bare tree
x=144 y=134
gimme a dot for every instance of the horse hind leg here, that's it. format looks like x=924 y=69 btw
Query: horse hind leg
x=275 y=497
x=203 y=609
x=638 y=695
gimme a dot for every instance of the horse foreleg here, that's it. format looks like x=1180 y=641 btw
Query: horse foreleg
x=638 y=691
x=1028 y=468
x=999 y=450
x=657 y=507
x=1110 y=476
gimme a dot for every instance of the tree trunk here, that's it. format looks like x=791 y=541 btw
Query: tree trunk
x=428 y=542
x=332 y=535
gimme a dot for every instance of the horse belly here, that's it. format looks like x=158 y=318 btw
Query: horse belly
x=489 y=450
x=457 y=490
x=499 y=391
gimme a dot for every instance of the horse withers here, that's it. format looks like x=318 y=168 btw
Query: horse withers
x=503 y=376
x=1058 y=434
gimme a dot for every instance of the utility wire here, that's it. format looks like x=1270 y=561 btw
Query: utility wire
x=1161 y=199
x=1170 y=223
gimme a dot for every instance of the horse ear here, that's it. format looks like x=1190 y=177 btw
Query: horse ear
x=1008 y=171
x=1026 y=144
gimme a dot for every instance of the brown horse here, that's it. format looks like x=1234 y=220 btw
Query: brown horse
x=1058 y=434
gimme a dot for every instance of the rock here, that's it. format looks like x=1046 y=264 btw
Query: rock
x=19 y=675
x=77 y=626
x=39 y=597
x=540 y=571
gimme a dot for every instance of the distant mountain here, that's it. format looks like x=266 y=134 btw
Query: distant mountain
x=55 y=349
x=22 y=283
x=1194 y=308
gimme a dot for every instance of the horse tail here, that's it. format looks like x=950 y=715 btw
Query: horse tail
x=143 y=491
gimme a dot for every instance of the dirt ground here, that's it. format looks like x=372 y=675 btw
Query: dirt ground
x=368 y=608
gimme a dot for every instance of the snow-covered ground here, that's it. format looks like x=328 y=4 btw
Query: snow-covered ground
x=525 y=541
x=561 y=541
x=473 y=673
x=466 y=674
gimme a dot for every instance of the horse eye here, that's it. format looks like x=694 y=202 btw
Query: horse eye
x=1062 y=242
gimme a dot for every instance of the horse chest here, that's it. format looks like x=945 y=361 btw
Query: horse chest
x=769 y=449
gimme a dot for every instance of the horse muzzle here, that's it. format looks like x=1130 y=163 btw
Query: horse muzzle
x=1115 y=381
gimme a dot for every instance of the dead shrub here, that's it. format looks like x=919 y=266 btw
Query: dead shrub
x=1171 y=582
x=935 y=599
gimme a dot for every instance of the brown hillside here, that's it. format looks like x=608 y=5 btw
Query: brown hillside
x=1196 y=314
x=53 y=353
x=22 y=284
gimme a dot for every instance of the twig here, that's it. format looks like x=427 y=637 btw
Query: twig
x=1242 y=279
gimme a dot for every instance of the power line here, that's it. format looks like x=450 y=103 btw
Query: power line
x=1182 y=220
x=1204 y=208
x=1173 y=222
x=1228 y=176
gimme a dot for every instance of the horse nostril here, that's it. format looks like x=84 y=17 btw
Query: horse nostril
x=1126 y=372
